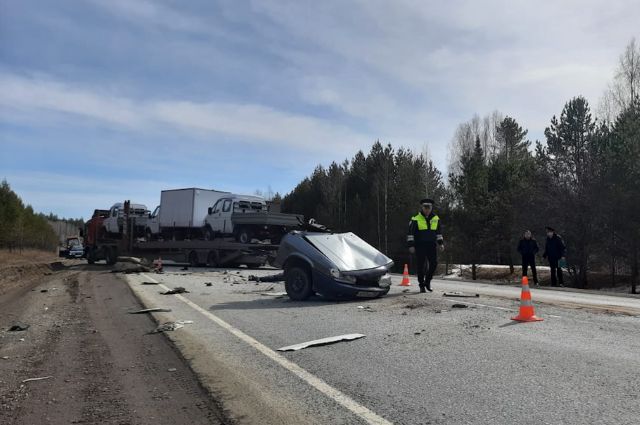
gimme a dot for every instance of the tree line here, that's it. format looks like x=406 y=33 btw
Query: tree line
x=583 y=179
x=21 y=227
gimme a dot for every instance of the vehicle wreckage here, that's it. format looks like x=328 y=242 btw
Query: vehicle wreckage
x=334 y=265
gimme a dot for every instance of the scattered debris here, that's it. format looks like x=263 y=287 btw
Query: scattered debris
x=36 y=379
x=151 y=310
x=271 y=278
x=21 y=339
x=4 y=357
x=365 y=308
x=44 y=290
x=459 y=295
x=171 y=369
x=170 y=326
x=406 y=290
x=18 y=327
x=323 y=341
x=274 y=294
x=417 y=333
x=459 y=306
x=149 y=283
x=184 y=268
x=208 y=284
x=130 y=270
x=56 y=266
x=178 y=290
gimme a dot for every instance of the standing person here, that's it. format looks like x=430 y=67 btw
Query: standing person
x=528 y=248
x=425 y=233
x=554 y=250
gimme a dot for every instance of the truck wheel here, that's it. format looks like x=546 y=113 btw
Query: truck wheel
x=110 y=255
x=193 y=259
x=297 y=283
x=208 y=234
x=91 y=258
x=244 y=235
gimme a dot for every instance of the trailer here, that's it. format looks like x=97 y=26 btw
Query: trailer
x=220 y=252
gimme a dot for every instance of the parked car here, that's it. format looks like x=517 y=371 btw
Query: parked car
x=334 y=265
x=76 y=251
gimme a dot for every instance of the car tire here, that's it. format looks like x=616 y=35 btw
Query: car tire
x=209 y=235
x=110 y=256
x=297 y=283
x=244 y=235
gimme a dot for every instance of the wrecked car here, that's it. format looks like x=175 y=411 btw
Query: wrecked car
x=335 y=265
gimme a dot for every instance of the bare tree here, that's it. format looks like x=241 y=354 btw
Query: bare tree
x=625 y=87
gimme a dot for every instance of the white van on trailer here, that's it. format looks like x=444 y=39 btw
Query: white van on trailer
x=181 y=213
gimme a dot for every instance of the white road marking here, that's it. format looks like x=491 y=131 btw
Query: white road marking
x=317 y=383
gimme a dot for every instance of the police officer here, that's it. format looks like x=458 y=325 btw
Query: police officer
x=425 y=233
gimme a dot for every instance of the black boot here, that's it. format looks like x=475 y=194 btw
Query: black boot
x=422 y=290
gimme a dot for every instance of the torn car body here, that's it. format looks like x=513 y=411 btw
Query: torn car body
x=336 y=265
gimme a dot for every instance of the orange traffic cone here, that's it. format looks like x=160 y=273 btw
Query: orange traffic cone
x=405 y=276
x=526 y=306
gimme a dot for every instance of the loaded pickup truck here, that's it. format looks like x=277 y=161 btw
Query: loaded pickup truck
x=247 y=218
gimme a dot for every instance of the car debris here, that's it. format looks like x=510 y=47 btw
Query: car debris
x=323 y=341
x=149 y=283
x=459 y=306
x=18 y=327
x=130 y=270
x=170 y=326
x=44 y=290
x=4 y=357
x=178 y=290
x=171 y=369
x=274 y=294
x=271 y=278
x=36 y=379
x=208 y=284
x=460 y=295
x=151 y=310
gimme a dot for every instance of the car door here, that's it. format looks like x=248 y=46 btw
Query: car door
x=227 y=226
x=215 y=219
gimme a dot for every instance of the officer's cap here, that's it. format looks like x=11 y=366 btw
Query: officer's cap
x=427 y=202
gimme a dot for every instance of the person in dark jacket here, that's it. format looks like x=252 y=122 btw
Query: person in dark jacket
x=554 y=251
x=425 y=234
x=528 y=248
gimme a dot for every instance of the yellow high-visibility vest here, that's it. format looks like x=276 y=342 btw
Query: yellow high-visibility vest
x=423 y=224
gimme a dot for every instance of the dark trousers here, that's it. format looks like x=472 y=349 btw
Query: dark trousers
x=556 y=272
x=427 y=261
x=529 y=261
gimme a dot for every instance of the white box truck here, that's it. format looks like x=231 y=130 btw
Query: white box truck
x=181 y=213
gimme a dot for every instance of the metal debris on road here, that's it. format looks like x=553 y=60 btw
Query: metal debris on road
x=459 y=306
x=44 y=290
x=4 y=357
x=19 y=327
x=323 y=341
x=149 y=283
x=170 y=326
x=208 y=284
x=459 y=295
x=271 y=278
x=37 y=379
x=178 y=290
x=151 y=310
x=171 y=369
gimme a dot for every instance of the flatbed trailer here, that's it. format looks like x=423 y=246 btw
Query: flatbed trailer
x=220 y=252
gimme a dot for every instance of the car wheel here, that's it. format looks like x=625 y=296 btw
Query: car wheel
x=297 y=283
x=244 y=235
x=208 y=234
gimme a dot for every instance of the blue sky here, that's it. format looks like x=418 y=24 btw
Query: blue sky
x=105 y=100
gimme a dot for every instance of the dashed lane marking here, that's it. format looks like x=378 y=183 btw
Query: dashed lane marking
x=338 y=396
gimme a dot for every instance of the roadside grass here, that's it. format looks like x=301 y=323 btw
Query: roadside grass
x=26 y=256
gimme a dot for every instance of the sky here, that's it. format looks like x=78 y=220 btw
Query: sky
x=106 y=100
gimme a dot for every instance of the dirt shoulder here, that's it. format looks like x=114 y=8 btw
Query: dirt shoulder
x=99 y=364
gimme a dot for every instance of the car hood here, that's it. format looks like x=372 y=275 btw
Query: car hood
x=348 y=252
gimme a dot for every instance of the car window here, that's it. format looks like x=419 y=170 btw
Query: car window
x=227 y=205
x=156 y=212
x=114 y=213
x=216 y=207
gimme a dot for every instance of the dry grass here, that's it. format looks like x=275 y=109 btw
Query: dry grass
x=27 y=256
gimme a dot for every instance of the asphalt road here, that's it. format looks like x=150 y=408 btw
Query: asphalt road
x=422 y=360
